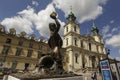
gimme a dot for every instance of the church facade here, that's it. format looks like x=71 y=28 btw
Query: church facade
x=83 y=52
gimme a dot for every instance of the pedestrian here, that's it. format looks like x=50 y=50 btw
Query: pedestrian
x=94 y=76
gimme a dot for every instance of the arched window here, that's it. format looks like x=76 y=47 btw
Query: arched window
x=40 y=47
x=39 y=55
x=67 y=29
x=30 y=45
x=76 y=57
x=82 y=44
x=93 y=61
x=8 y=40
x=5 y=50
x=97 y=48
x=18 y=51
x=75 y=28
x=20 y=43
x=89 y=46
x=83 y=61
x=75 y=41
x=29 y=54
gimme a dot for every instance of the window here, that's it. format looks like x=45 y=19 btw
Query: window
x=8 y=40
x=97 y=48
x=75 y=41
x=82 y=44
x=39 y=55
x=26 y=66
x=14 y=65
x=66 y=41
x=93 y=61
x=67 y=29
x=75 y=28
x=18 y=52
x=30 y=45
x=5 y=50
x=83 y=61
x=48 y=49
x=40 y=47
x=102 y=49
x=89 y=46
x=76 y=58
x=29 y=53
x=20 y=43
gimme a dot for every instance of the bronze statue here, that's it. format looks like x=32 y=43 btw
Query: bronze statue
x=53 y=61
x=55 y=41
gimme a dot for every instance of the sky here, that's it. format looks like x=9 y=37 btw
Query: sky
x=32 y=16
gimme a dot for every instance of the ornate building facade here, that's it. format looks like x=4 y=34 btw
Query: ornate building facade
x=83 y=52
x=18 y=51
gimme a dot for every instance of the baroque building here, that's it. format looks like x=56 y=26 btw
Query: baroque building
x=18 y=51
x=80 y=52
x=83 y=52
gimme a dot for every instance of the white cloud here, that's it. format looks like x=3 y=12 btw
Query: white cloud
x=105 y=31
x=114 y=29
x=108 y=35
x=83 y=9
x=118 y=58
x=44 y=20
x=114 y=41
x=103 y=2
x=119 y=51
x=19 y=23
x=112 y=21
x=27 y=18
x=35 y=3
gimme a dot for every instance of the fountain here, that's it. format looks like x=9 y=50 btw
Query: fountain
x=50 y=66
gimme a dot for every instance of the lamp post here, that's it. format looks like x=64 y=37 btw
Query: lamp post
x=108 y=52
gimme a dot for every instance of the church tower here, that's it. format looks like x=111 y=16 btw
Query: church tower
x=98 y=38
x=71 y=43
x=95 y=34
x=71 y=30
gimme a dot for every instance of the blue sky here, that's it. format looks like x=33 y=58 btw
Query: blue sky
x=32 y=16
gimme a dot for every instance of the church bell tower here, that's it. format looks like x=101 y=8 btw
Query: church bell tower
x=71 y=30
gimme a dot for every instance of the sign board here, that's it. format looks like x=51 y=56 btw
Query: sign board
x=105 y=69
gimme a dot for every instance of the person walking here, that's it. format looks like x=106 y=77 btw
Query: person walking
x=94 y=76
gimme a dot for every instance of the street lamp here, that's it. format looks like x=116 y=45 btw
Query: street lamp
x=108 y=53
